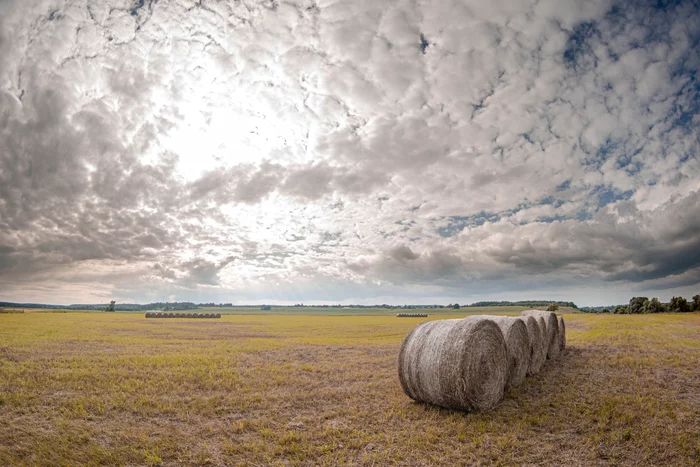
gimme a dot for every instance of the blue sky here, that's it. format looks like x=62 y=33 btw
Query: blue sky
x=349 y=151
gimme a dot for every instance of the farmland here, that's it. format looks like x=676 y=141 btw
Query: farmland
x=300 y=389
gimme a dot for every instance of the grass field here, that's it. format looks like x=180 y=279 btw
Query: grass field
x=349 y=311
x=116 y=388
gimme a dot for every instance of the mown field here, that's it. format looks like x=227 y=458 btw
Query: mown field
x=349 y=311
x=119 y=389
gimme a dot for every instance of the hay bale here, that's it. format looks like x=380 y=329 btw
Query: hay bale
x=517 y=340
x=562 y=334
x=551 y=329
x=218 y=315
x=456 y=363
x=536 y=341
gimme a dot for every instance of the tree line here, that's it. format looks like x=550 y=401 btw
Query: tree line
x=639 y=305
x=527 y=303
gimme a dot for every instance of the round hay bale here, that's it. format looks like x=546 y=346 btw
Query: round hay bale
x=218 y=315
x=562 y=334
x=148 y=315
x=551 y=329
x=456 y=363
x=538 y=349
x=517 y=347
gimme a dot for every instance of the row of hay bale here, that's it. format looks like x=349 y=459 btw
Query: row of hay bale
x=411 y=315
x=468 y=363
x=182 y=315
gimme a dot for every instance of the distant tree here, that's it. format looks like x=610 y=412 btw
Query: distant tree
x=455 y=306
x=645 y=306
x=654 y=306
x=603 y=310
x=621 y=310
x=678 y=305
x=553 y=307
x=266 y=307
x=696 y=303
x=110 y=307
x=637 y=304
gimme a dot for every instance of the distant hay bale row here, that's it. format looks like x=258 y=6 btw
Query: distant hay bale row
x=182 y=315
x=411 y=315
x=10 y=310
x=468 y=363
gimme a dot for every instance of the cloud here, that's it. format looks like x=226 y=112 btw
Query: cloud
x=529 y=146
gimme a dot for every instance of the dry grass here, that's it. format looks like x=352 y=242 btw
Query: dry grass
x=113 y=388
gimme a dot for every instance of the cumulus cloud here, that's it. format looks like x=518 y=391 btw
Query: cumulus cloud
x=347 y=150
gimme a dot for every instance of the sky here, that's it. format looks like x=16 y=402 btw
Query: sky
x=349 y=151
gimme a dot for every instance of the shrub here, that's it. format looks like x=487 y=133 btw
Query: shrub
x=553 y=307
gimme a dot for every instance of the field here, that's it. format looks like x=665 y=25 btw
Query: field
x=274 y=389
x=332 y=311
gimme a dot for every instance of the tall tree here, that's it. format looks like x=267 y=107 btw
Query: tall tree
x=655 y=306
x=636 y=304
x=678 y=305
x=696 y=302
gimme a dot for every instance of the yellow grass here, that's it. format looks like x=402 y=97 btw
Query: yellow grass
x=116 y=388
